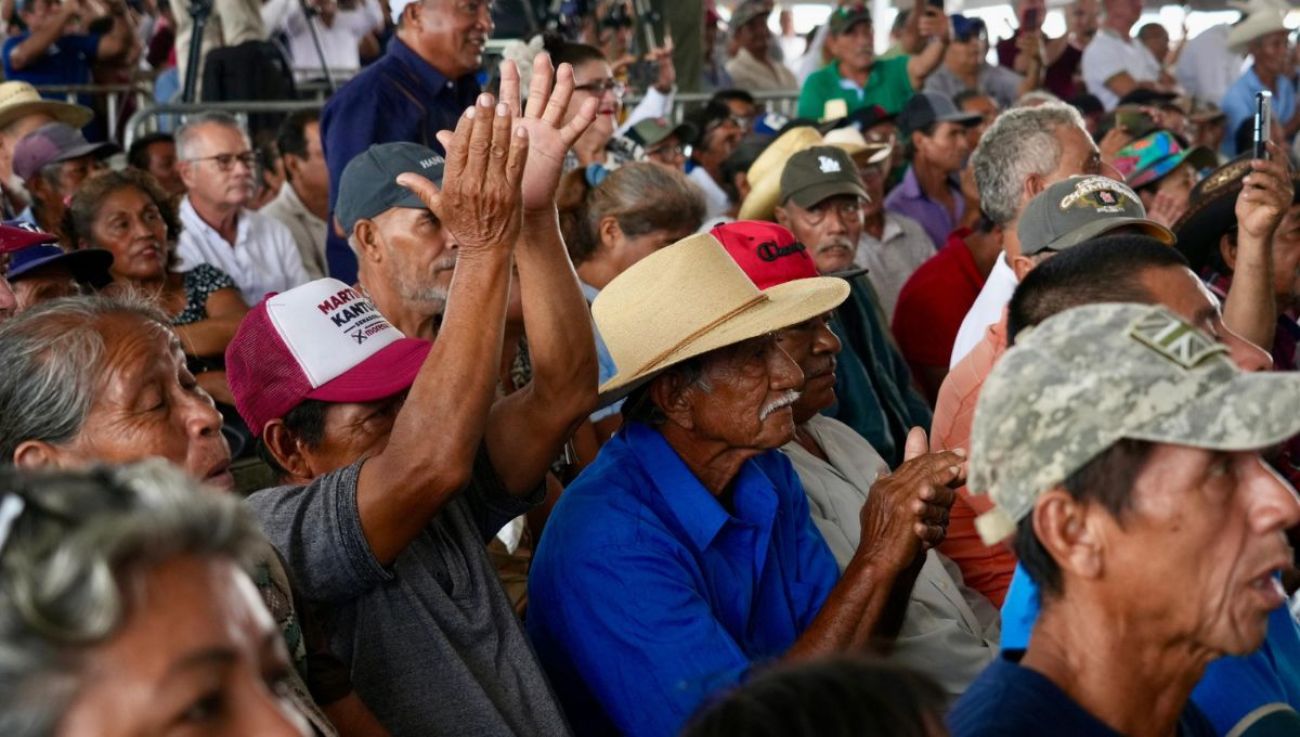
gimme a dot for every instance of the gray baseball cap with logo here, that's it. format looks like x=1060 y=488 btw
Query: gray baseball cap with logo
x=1080 y=208
x=1088 y=377
x=369 y=185
x=818 y=173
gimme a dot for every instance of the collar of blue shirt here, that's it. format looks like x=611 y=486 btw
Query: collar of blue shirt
x=428 y=75
x=910 y=186
x=701 y=515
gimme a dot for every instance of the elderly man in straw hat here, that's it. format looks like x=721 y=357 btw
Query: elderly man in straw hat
x=685 y=555
x=1142 y=508
x=948 y=632
x=23 y=110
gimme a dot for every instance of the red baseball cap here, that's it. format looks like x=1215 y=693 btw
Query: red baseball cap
x=322 y=340
x=15 y=236
x=768 y=253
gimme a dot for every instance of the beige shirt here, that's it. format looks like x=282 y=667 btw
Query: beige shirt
x=308 y=231
x=950 y=633
x=748 y=73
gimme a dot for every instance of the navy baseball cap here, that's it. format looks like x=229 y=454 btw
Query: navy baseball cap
x=369 y=185
x=89 y=266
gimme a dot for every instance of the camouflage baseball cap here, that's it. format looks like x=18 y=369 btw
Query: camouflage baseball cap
x=1080 y=208
x=1088 y=377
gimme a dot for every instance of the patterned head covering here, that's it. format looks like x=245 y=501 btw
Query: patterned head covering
x=1088 y=377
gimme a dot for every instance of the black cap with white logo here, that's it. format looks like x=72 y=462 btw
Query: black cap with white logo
x=819 y=173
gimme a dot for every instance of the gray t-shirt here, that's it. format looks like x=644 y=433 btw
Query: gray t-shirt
x=433 y=644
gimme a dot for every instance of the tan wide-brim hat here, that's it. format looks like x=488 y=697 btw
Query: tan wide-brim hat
x=691 y=298
x=1259 y=23
x=764 y=174
x=20 y=98
x=857 y=147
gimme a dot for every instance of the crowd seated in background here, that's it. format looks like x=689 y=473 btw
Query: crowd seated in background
x=791 y=396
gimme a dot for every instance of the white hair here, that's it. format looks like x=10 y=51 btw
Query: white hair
x=1020 y=143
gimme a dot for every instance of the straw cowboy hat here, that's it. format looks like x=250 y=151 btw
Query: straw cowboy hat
x=1259 y=23
x=764 y=174
x=691 y=298
x=20 y=98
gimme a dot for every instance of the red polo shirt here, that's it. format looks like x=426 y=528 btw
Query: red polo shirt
x=932 y=304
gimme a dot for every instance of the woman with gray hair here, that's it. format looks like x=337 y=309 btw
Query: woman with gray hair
x=94 y=566
x=104 y=380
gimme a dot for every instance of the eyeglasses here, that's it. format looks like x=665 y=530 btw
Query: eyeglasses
x=226 y=162
x=845 y=209
x=666 y=153
x=605 y=85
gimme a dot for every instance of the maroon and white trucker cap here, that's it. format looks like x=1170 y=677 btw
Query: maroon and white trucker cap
x=322 y=340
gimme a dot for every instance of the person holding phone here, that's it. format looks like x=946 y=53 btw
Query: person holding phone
x=1058 y=58
x=965 y=67
x=856 y=76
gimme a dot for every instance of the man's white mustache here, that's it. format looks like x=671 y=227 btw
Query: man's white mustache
x=781 y=402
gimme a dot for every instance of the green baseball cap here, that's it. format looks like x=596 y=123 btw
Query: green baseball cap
x=845 y=17
x=1088 y=377
x=1081 y=208
x=369 y=185
x=817 y=173
x=651 y=131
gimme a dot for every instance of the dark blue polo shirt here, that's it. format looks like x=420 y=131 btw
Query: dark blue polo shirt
x=398 y=98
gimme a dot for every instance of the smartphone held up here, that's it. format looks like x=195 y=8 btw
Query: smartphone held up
x=1263 y=122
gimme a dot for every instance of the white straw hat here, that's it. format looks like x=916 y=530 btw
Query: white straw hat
x=20 y=98
x=691 y=298
x=1259 y=23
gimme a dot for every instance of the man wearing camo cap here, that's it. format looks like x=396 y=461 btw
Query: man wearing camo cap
x=1121 y=447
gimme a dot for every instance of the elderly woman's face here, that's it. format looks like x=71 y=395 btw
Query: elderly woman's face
x=147 y=404
x=812 y=346
x=131 y=227
x=220 y=671
x=752 y=387
x=1200 y=546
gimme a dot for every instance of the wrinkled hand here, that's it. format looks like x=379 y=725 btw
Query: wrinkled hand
x=934 y=24
x=549 y=139
x=1167 y=210
x=481 y=194
x=1266 y=194
x=907 y=511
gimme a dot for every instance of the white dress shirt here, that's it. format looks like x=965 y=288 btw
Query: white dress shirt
x=1108 y=55
x=263 y=259
x=716 y=201
x=339 y=42
x=949 y=631
x=1206 y=69
x=987 y=309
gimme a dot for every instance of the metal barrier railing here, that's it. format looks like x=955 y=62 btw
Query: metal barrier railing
x=783 y=102
x=146 y=120
x=112 y=95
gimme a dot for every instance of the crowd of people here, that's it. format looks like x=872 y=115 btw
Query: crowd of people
x=965 y=402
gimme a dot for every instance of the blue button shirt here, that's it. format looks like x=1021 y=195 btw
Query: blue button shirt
x=646 y=595
x=400 y=97
x=1257 y=694
x=909 y=199
x=1239 y=103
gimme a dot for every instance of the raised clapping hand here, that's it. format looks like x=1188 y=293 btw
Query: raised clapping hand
x=907 y=510
x=480 y=199
x=543 y=118
x=1266 y=193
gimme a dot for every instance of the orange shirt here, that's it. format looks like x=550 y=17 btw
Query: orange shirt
x=986 y=569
